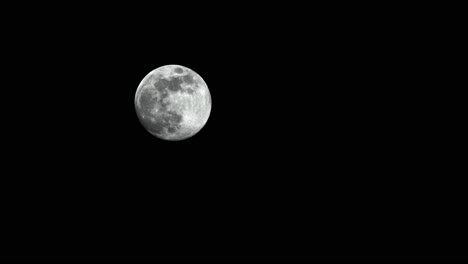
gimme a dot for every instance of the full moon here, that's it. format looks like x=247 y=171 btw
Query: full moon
x=173 y=102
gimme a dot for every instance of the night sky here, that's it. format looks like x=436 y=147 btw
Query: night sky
x=322 y=141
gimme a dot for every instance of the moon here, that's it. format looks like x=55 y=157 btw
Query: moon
x=173 y=102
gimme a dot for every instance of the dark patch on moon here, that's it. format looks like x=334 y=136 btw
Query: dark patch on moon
x=147 y=102
x=188 y=79
x=173 y=84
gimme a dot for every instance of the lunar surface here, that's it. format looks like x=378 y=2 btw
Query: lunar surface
x=173 y=102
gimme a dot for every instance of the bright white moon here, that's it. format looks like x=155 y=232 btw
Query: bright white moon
x=173 y=102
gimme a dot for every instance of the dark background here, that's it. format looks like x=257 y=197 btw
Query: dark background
x=328 y=135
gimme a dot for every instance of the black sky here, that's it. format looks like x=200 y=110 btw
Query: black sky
x=316 y=145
